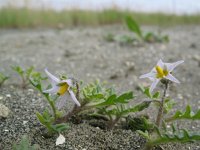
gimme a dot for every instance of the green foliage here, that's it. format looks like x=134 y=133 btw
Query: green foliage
x=46 y=118
x=3 y=78
x=48 y=121
x=134 y=27
x=24 y=145
x=187 y=114
x=171 y=136
x=11 y=17
x=138 y=123
x=175 y=135
x=26 y=74
x=152 y=38
x=107 y=103
x=146 y=37
x=109 y=37
x=147 y=93
x=168 y=105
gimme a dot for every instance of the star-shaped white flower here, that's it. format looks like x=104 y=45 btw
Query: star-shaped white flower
x=160 y=71
x=62 y=88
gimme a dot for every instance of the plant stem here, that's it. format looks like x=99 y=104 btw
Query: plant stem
x=112 y=123
x=161 y=108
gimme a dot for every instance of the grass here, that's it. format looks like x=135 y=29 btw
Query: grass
x=27 y=18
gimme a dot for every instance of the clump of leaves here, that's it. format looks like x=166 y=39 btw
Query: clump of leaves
x=169 y=136
x=3 y=78
x=106 y=103
x=24 y=144
x=146 y=37
x=141 y=36
x=139 y=123
x=25 y=74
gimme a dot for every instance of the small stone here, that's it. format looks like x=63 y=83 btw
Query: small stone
x=25 y=122
x=6 y=130
x=30 y=90
x=1 y=97
x=4 y=111
x=196 y=57
x=8 y=95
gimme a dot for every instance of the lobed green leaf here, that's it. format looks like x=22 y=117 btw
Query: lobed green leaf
x=187 y=114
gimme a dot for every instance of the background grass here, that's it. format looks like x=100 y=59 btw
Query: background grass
x=22 y=18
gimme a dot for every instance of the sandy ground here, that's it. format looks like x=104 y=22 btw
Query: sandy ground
x=84 y=54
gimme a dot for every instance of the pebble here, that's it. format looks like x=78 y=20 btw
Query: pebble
x=25 y=122
x=196 y=57
x=8 y=95
x=30 y=90
x=1 y=97
x=4 y=111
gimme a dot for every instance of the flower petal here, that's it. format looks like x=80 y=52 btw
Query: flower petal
x=172 y=78
x=171 y=66
x=60 y=139
x=53 y=79
x=148 y=75
x=53 y=90
x=153 y=85
x=74 y=97
x=160 y=63
x=69 y=82
x=60 y=103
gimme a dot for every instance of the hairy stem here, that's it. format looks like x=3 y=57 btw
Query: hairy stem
x=161 y=108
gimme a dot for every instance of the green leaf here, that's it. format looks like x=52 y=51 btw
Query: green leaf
x=3 y=78
x=41 y=118
x=144 y=134
x=137 y=108
x=18 y=69
x=156 y=95
x=168 y=105
x=109 y=101
x=124 y=97
x=60 y=127
x=139 y=123
x=187 y=114
x=133 y=26
x=29 y=71
x=178 y=135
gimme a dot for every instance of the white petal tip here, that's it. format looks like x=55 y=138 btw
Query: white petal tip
x=60 y=140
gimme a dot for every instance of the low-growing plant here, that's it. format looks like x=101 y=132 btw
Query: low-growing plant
x=48 y=117
x=161 y=134
x=3 y=78
x=141 y=36
x=93 y=100
x=24 y=144
x=106 y=103
x=25 y=74
x=134 y=27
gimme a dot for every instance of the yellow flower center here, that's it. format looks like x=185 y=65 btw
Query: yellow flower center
x=161 y=72
x=63 y=88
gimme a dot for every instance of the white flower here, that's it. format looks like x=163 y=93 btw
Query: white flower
x=60 y=139
x=62 y=88
x=160 y=71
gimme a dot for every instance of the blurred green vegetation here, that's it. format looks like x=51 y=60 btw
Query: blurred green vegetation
x=11 y=17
